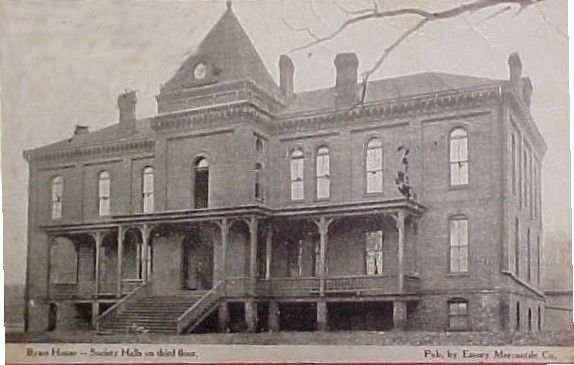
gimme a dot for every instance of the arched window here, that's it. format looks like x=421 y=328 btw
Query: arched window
x=459 y=244
x=297 y=175
x=147 y=189
x=322 y=173
x=458 y=314
x=374 y=166
x=57 y=191
x=201 y=186
x=529 y=319
x=259 y=145
x=539 y=318
x=257 y=187
x=104 y=193
x=458 y=157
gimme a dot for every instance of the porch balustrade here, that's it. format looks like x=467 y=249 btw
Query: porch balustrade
x=87 y=289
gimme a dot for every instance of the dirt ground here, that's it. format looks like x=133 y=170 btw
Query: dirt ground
x=546 y=338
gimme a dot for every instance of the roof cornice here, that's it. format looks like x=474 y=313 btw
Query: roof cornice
x=73 y=153
x=398 y=107
x=204 y=117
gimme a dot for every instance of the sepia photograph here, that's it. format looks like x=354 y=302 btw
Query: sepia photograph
x=310 y=173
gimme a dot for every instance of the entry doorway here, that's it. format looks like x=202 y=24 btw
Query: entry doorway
x=197 y=268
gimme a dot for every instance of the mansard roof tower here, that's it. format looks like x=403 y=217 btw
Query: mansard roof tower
x=224 y=57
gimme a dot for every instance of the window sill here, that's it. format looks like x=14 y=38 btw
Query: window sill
x=459 y=187
x=458 y=274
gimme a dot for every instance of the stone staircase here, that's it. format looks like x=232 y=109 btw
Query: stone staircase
x=153 y=313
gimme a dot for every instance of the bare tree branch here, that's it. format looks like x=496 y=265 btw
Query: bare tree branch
x=374 y=13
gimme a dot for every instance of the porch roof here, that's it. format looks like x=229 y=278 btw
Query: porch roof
x=245 y=211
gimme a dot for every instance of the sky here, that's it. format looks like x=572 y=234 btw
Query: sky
x=64 y=63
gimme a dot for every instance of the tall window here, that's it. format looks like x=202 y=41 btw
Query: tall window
x=374 y=166
x=147 y=189
x=513 y=158
x=374 y=252
x=257 y=187
x=459 y=245
x=458 y=157
x=57 y=191
x=529 y=319
x=538 y=260
x=539 y=319
x=524 y=178
x=518 y=316
x=458 y=314
x=529 y=258
x=201 y=186
x=104 y=193
x=322 y=173
x=516 y=247
x=297 y=175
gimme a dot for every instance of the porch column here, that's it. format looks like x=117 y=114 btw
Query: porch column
x=400 y=220
x=253 y=252
x=49 y=266
x=144 y=257
x=322 y=322
x=98 y=237
x=251 y=315
x=268 y=251
x=223 y=317
x=399 y=314
x=119 y=263
x=95 y=312
x=222 y=274
x=273 y=320
x=323 y=225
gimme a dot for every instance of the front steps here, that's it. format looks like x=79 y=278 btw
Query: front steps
x=151 y=314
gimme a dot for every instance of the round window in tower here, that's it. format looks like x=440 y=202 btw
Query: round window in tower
x=200 y=71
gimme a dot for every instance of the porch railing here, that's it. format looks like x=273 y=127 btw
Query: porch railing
x=87 y=289
x=364 y=283
x=200 y=309
x=288 y=286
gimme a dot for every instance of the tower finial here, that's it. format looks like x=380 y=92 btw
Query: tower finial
x=228 y=4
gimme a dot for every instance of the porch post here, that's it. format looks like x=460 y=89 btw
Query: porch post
x=224 y=227
x=144 y=258
x=223 y=317
x=98 y=238
x=323 y=225
x=400 y=219
x=95 y=312
x=253 y=249
x=273 y=321
x=120 y=258
x=268 y=251
x=250 y=304
x=399 y=314
x=322 y=322
x=49 y=266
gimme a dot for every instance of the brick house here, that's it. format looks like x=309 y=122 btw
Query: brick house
x=411 y=203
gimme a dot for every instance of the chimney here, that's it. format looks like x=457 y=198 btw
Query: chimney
x=286 y=70
x=346 y=89
x=514 y=68
x=127 y=105
x=81 y=130
x=521 y=86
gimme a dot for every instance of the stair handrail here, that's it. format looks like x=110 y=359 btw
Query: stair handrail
x=119 y=305
x=208 y=299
